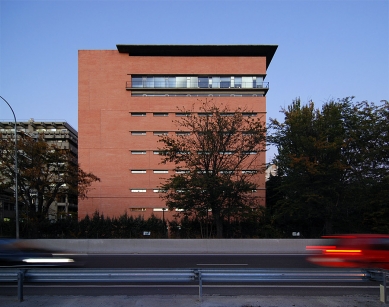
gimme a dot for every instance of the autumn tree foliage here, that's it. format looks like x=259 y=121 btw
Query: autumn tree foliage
x=46 y=173
x=216 y=154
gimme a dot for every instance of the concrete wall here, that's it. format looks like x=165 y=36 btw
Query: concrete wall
x=177 y=246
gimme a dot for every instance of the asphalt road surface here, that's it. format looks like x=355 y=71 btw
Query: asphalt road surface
x=196 y=261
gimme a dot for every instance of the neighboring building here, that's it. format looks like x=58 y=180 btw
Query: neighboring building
x=129 y=96
x=59 y=133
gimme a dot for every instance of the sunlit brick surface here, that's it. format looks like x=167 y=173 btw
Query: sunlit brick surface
x=107 y=146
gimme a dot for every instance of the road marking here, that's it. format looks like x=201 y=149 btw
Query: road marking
x=222 y=264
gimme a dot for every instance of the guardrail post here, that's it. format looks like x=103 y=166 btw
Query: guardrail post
x=383 y=294
x=20 y=285
x=198 y=277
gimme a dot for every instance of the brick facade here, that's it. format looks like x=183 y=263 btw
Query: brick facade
x=108 y=110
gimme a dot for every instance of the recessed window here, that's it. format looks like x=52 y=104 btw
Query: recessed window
x=205 y=114
x=183 y=133
x=159 y=191
x=138 y=171
x=138 y=152
x=138 y=209
x=226 y=172
x=160 y=133
x=161 y=114
x=182 y=114
x=160 y=209
x=138 y=132
x=160 y=171
x=138 y=190
x=159 y=152
x=249 y=114
x=249 y=172
x=138 y=114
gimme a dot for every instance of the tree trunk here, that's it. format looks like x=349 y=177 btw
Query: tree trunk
x=219 y=226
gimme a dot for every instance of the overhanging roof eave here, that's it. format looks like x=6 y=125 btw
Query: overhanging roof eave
x=267 y=51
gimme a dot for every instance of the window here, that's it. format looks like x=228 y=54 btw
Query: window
x=159 y=152
x=247 y=82
x=171 y=82
x=249 y=152
x=138 y=114
x=138 y=152
x=225 y=82
x=160 y=132
x=159 y=191
x=138 y=209
x=249 y=114
x=137 y=81
x=249 y=171
x=182 y=114
x=203 y=82
x=149 y=81
x=215 y=82
x=180 y=82
x=197 y=82
x=237 y=82
x=138 y=132
x=159 y=114
x=159 y=82
x=138 y=171
x=192 y=82
x=138 y=190
x=160 y=171
x=182 y=133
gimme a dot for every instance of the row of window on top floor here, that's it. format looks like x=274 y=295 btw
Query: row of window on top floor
x=180 y=114
x=197 y=81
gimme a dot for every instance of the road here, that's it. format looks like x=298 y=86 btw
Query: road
x=197 y=261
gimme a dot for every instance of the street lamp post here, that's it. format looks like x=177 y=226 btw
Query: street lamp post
x=16 y=173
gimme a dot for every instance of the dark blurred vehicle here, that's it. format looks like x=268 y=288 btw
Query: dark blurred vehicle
x=23 y=254
x=370 y=251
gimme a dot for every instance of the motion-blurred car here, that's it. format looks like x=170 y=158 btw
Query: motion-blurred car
x=22 y=254
x=370 y=251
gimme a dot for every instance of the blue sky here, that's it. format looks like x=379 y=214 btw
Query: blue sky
x=326 y=49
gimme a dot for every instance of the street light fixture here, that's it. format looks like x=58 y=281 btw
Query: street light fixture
x=16 y=173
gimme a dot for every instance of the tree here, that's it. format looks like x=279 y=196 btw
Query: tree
x=46 y=173
x=216 y=154
x=330 y=161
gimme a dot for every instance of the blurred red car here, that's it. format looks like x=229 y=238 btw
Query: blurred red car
x=369 y=251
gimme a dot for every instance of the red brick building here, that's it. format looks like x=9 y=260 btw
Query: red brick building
x=129 y=96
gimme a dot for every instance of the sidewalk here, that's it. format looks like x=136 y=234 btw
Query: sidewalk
x=189 y=301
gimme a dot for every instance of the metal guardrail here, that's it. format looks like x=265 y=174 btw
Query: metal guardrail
x=69 y=275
